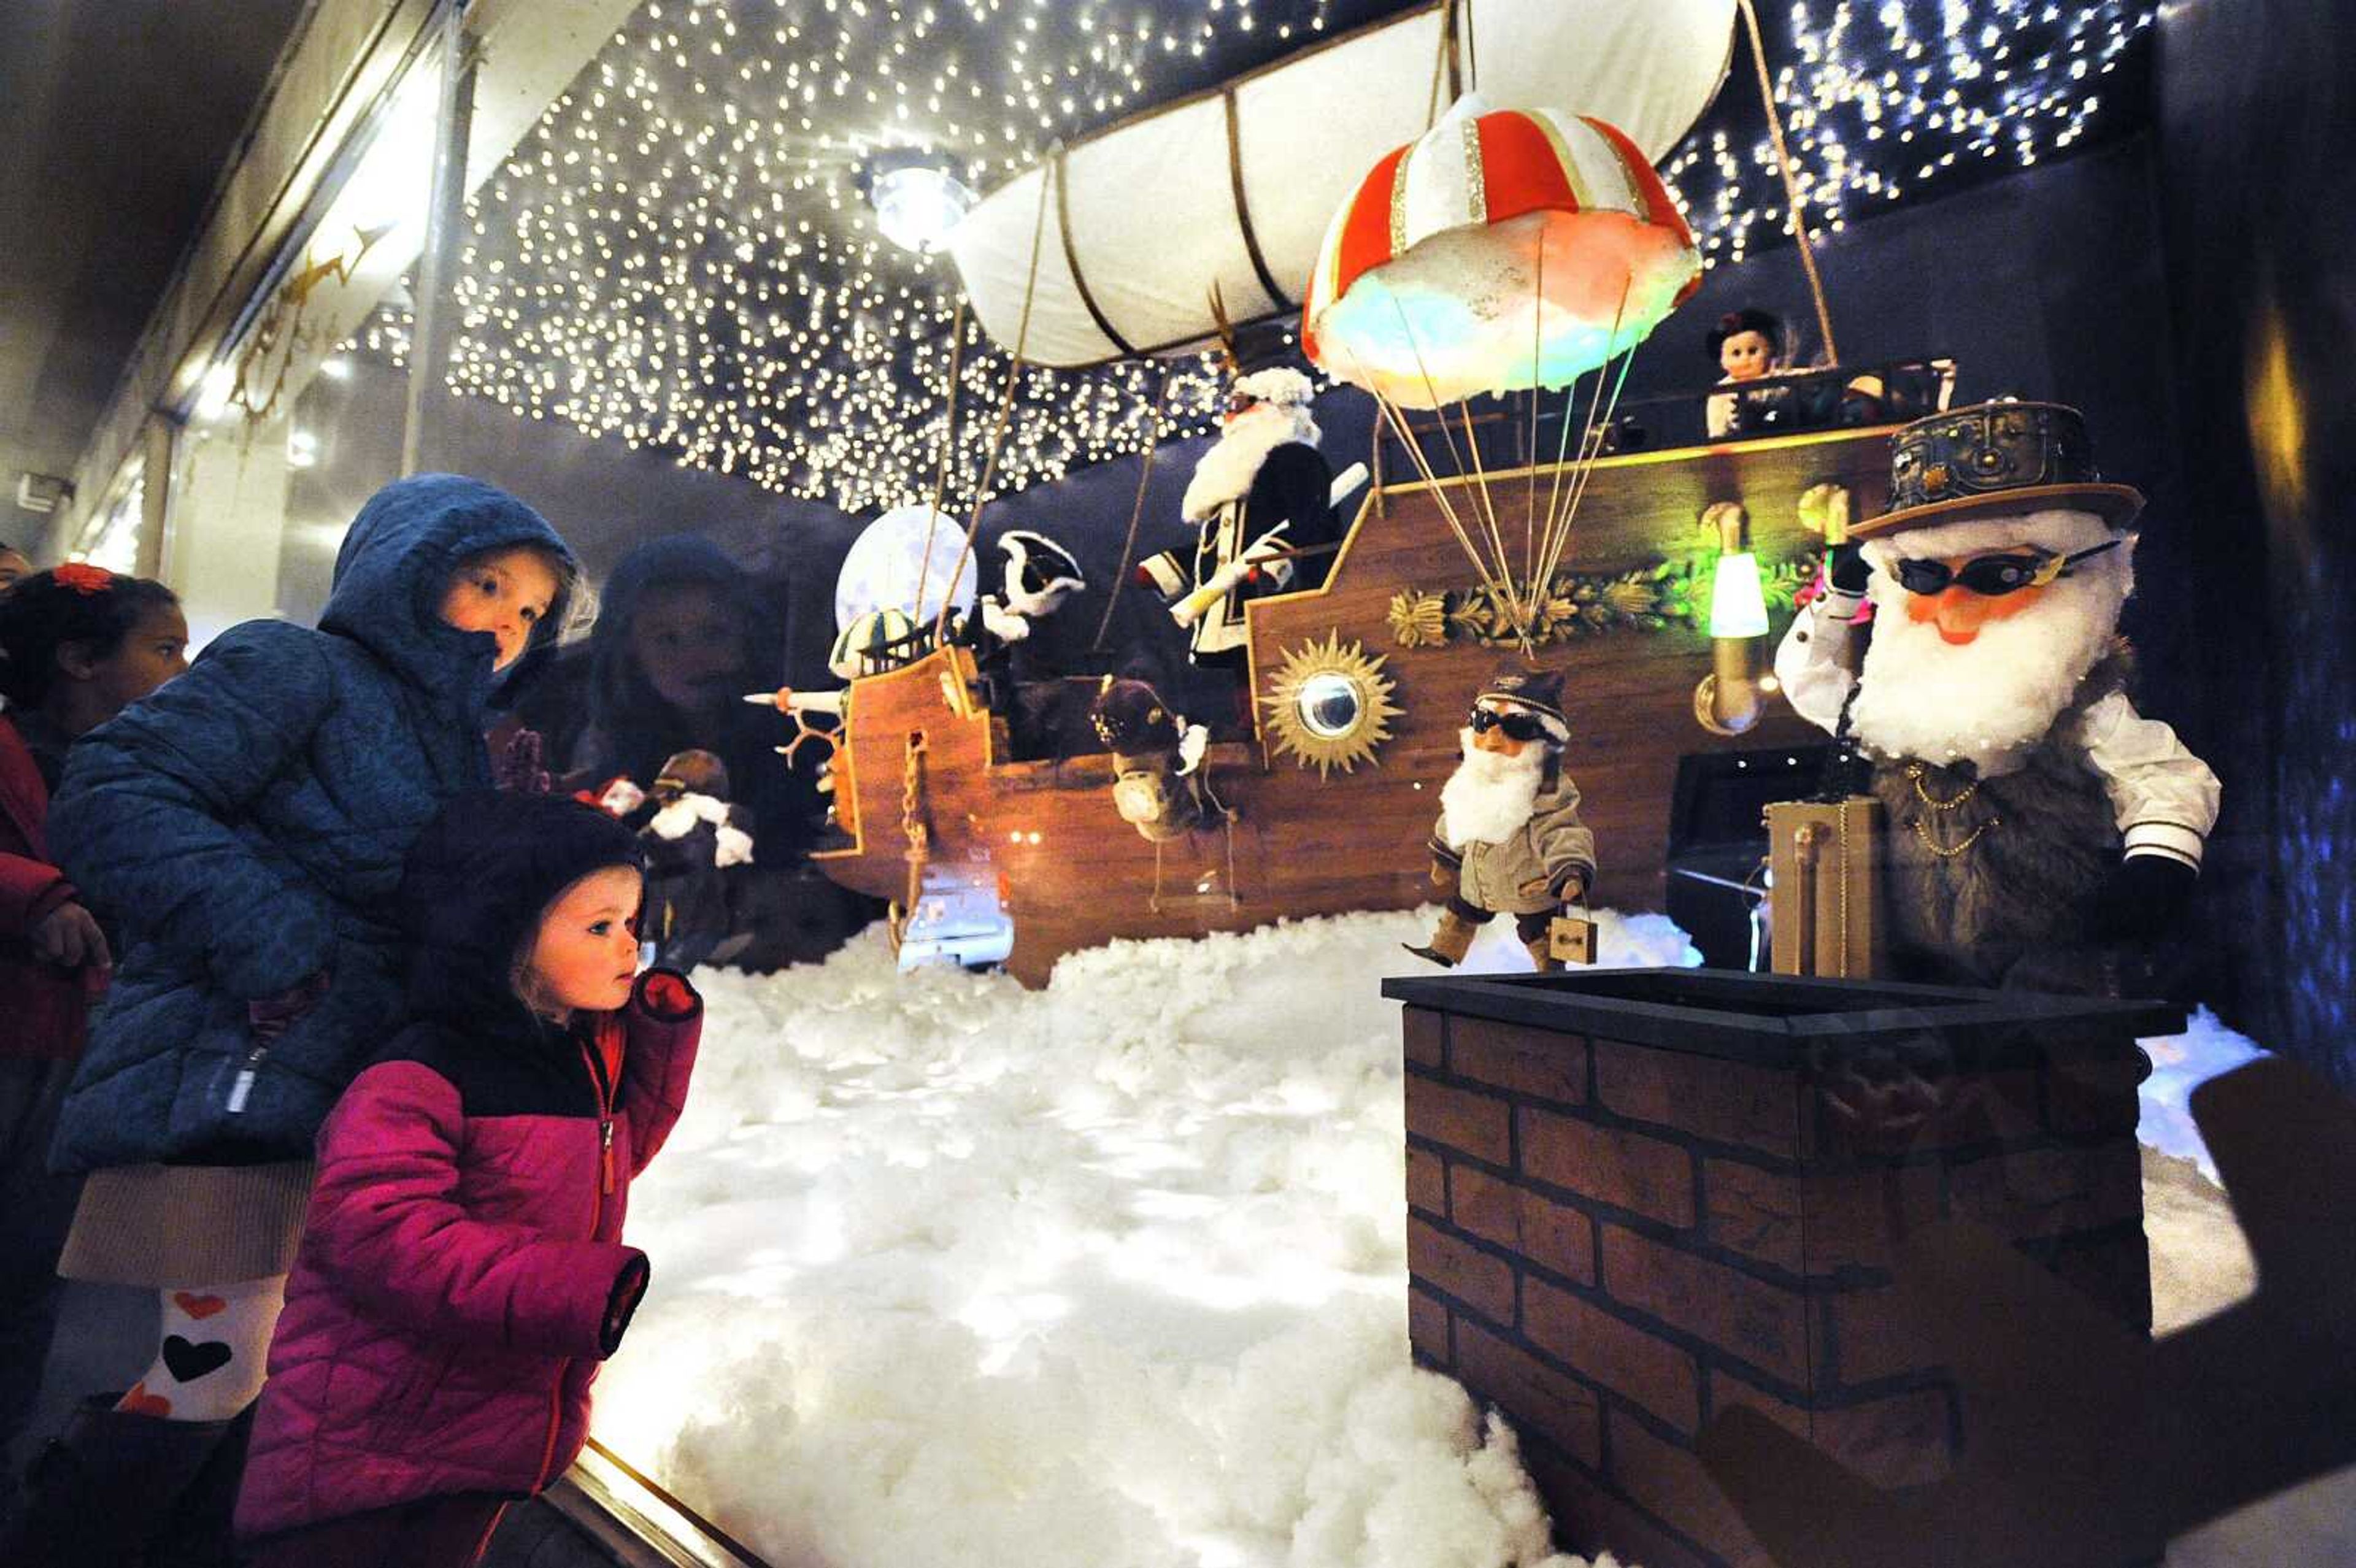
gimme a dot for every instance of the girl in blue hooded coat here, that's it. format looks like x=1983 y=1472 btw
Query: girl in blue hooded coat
x=246 y=827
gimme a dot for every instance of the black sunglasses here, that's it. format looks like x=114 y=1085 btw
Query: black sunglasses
x=1516 y=726
x=1991 y=576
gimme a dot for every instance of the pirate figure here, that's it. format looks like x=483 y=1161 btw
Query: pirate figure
x=1037 y=576
x=1157 y=756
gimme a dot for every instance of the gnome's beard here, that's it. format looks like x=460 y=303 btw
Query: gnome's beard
x=1490 y=794
x=1988 y=701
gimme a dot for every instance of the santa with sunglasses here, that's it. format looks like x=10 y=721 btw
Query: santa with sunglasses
x=2041 y=833
x=1509 y=840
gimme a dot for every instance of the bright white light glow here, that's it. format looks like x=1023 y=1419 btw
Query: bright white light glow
x=918 y=208
x=1737 y=607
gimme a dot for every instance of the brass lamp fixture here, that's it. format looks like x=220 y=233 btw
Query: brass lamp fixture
x=1728 y=701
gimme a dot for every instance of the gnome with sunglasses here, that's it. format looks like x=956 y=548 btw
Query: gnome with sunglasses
x=2043 y=835
x=1509 y=840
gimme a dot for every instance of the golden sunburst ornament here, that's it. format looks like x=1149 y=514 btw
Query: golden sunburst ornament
x=1330 y=705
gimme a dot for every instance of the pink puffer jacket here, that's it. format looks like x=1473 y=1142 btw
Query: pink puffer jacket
x=462 y=1272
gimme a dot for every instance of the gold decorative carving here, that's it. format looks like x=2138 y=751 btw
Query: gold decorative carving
x=1418 y=620
x=1580 y=604
x=1329 y=704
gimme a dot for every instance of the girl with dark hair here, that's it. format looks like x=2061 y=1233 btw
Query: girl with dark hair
x=676 y=643
x=1747 y=345
x=247 y=826
x=77 y=647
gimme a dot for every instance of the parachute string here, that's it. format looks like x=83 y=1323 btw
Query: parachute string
x=1488 y=508
x=1422 y=464
x=1136 y=507
x=1538 y=350
x=1586 y=465
x=1432 y=390
x=1562 y=450
x=1448 y=511
x=1790 y=182
x=1558 y=529
x=948 y=444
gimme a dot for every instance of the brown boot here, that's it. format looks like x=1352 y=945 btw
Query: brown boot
x=1541 y=951
x=1450 y=940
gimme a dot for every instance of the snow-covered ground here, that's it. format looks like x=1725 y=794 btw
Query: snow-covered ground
x=950 y=1273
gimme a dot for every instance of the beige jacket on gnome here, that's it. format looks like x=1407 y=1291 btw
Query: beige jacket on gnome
x=1530 y=869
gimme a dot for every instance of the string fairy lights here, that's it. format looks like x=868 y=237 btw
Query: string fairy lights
x=677 y=254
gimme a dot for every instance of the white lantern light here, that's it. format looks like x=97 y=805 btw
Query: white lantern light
x=918 y=205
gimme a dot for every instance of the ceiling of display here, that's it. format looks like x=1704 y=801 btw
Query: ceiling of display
x=678 y=256
x=120 y=115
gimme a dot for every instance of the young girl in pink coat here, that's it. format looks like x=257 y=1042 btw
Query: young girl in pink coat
x=462 y=1271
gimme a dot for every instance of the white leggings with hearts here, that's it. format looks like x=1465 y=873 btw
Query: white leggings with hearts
x=212 y=1351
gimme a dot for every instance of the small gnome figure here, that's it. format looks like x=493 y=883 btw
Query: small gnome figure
x=1158 y=784
x=1261 y=493
x=1509 y=840
x=692 y=836
x=2041 y=834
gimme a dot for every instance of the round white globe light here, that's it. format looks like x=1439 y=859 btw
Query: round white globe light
x=918 y=207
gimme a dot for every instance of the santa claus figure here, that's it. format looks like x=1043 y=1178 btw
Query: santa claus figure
x=2041 y=834
x=1259 y=496
x=1509 y=840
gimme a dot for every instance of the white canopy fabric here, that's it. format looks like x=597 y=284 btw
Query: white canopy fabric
x=1135 y=224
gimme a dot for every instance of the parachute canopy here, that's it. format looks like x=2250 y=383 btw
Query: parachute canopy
x=1502 y=250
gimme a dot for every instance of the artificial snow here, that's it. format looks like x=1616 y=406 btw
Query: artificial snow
x=950 y=1273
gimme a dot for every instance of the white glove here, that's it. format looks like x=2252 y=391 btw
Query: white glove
x=1192 y=744
x=734 y=847
x=1003 y=624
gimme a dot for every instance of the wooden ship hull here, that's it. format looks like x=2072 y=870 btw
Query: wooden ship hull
x=918 y=747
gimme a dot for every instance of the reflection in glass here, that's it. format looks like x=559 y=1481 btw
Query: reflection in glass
x=1331 y=705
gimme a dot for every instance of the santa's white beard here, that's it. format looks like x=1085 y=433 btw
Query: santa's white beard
x=1490 y=794
x=1988 y=701
x=1227 y=469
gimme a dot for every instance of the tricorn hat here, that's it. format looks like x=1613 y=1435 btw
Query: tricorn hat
x=1130 y=716
x=1991 y=459
x=1037 y=565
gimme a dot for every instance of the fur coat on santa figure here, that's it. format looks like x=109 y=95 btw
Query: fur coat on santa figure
x=2041 y=834
x=1262 y=491
x=1509 y=840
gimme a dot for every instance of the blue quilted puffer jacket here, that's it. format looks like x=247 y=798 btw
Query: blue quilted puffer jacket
x=247 y=823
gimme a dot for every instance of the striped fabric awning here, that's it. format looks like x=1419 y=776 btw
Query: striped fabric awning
x=1554 y=223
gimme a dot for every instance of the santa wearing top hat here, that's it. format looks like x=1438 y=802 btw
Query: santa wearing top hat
x=2041 y=833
